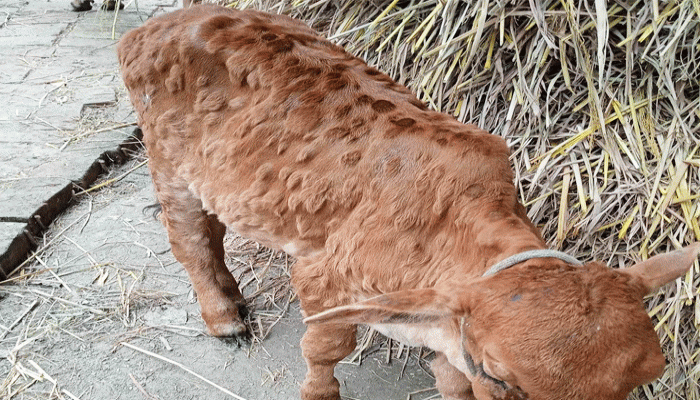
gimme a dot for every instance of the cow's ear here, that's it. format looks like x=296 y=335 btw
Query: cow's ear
x=415 y=306
x=664 y=268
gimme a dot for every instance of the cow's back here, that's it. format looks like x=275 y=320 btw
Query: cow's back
x=287 y=137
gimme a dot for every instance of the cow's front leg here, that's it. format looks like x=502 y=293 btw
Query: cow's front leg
x=451 y=382
x=323 y=346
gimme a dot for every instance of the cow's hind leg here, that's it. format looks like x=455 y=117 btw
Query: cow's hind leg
x=197 y=243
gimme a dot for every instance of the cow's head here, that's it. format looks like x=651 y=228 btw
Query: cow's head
x=542 y=330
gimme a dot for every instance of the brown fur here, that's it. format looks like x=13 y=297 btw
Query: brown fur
x=254 y=122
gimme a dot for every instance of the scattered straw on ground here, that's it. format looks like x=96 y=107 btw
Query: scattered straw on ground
x=263 y=276
x=599 y=102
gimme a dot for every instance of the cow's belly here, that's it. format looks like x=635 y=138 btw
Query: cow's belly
x=437 y=338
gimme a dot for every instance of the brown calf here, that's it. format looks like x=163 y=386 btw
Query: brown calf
x=254 y=122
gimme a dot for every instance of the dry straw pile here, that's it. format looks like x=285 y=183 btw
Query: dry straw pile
x=600 y=102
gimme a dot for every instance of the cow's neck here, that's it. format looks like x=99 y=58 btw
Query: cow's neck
x=503 y=235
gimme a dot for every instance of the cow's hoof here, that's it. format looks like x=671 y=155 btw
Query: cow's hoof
x=228 y=323
x=321 y=394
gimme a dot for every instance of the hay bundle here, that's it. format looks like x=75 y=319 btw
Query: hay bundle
x=599 y=102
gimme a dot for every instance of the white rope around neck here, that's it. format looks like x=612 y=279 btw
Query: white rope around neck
x=528 y=255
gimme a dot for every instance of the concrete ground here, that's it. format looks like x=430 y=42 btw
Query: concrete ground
x=105 y=275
